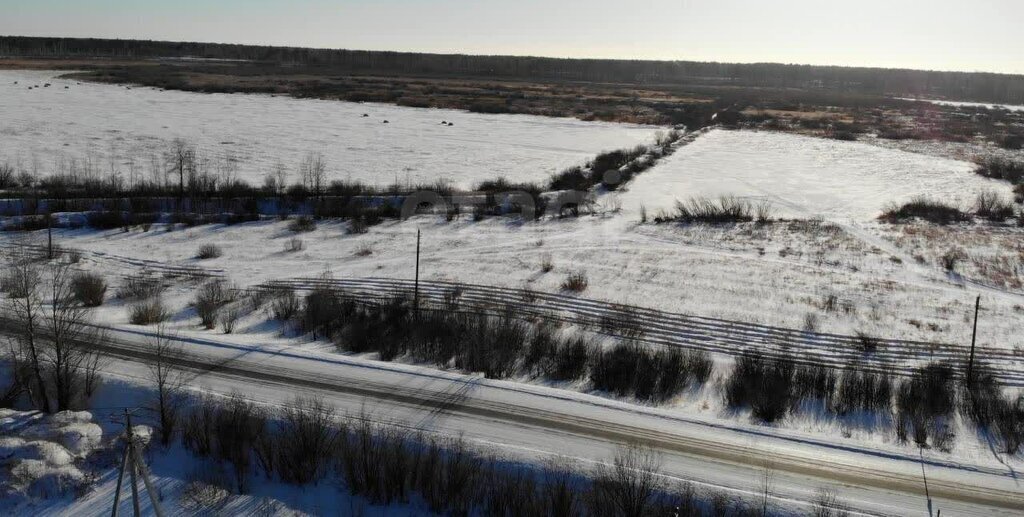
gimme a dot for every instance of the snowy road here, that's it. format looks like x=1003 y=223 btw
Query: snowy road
x=537 y=422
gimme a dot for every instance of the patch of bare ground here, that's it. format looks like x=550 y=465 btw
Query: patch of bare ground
x=993 y=255
x=813 y=242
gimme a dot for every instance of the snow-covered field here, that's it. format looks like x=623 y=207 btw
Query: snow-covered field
x=965 y=104
x=782 y=274
x=803 y=177
x=777 y=274
x=107 y=126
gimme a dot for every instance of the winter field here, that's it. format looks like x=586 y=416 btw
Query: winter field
x=825 y=265
x=1009 y=107
x=92 y=128
x=804 y=177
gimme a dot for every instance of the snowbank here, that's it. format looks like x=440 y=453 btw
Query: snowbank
x=40 y=455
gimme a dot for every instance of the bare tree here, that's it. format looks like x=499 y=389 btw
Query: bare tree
x=313 y=171
x=169 y=380
x=23 y=284
x=182 y=158
x=71 y=355
x=7 y=176
x=281 y=175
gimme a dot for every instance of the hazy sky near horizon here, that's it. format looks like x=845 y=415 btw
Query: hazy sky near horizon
x=979 y=35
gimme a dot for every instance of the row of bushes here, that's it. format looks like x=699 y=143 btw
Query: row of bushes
x=238 y=201
x=772 y=387
x=931 y=210
x=921 y=405
x=499 y=346
x=725 y=209
x=614 y=168
x=1002 y=168
x=988 y=205
x=306 y=442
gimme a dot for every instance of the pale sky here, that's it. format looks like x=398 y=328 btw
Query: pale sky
x=967 y=35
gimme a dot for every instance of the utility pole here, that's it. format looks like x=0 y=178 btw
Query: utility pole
x=132 y=460
x=927 y=494
x=416 y=285
x=49 y=235
x=974 y=336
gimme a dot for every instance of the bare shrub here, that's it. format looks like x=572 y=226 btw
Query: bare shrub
x=763 y=212
x=560 y=493
x=321 y=310
x=569 y=360
x=866 y=343
x=301 y=224
x=89 y=289
x=951 y=258
x=629 y=487
x=726 y=209
x=512 y=491
x=814 y=383
x=377 y=462
x=209 y=251
x=358 y=226
x=991 y=205
x=364 y=250
x=229 y=318
x=925 y=401
x=992 y=410
x=227 y=432
x=237 y=426
x=861 y=390
x=622 y=320
x=575 y=282
x=931 y=210
x=148 y=312
x=208 y=302
x=763 y=384
x=285 y=304
x=306 y=438
x=1002 y=168
x=457 y=474
x=546 y=263
x=498 y=343
x=826 y=504
x=810 y=322
x=616 y=369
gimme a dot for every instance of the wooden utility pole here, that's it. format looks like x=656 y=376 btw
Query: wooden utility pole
x=132 y=460
x=416 y=285
x=49 y=235
x=924 y=476
x=974 y=336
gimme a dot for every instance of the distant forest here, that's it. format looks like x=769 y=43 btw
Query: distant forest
x=981 y=87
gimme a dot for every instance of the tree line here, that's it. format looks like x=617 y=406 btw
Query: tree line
x=984 y=87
